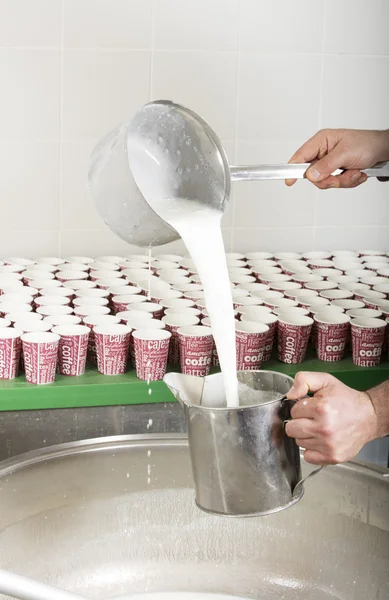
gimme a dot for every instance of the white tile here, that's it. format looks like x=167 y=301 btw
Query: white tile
x=350 y=238
x=281 y=25
x=200 y=25
x=278 y=96
x=355 y=92
x=107 y=23
x=203 y=81
x=76 y=204
x=359 y=27
x=272 y=239
x=28 y=243
x=29 y=185
x=101 y=89
x=366 y=205
x=27 y=23
x=30 y=94
x=92 y=243
x=271 y=203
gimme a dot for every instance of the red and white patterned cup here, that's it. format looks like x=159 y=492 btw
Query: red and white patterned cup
x=331 y=336
x=367 y=338
x=112 y=346
x=250 y=339
x=10 y=348
x=293 y=337
x=173 y=323
x=40 y=352
x=271 y=321
x=72 y=349
x=153 y=308
x=151 y=347
x=196 y=345
x=92 y=321
x=138 y=321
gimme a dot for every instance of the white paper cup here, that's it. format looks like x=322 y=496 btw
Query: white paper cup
x=12 y=288
x=72 y=349
x=102 y=275
x=320 y=286
x=52 y=301
x=251 y=311
x=267 y=294
x=129 y=314
x=383 y=272
x=16 y=260
x=364 y=313
x=194 y=312
x=28 y=326
x=122 y=290
x=17 y=316
x=33 y=275
x=18 y=298
x=337 y=295
x=51 y=310
x=285 y=286
x=40 y=352
x=255 y=256
x=112 y=345
x=10 y=348
x=343 y=278
x=247 y=301
x=367 y=337
x=304 y=278
x=139 y=257
x=312 y=303
x=151 y=347
x=102 y=265
x=304 y=295
x=241 y=279
x=321 y=264
x=4 y=322
x=136 y=275
x=50 y=260
x=177 y=258
x=177 y=303
x=110 y=258
x=383 y=288
x=288 y=256
x=87 y=260
x=75 y=267
x=372 y=298
x=317 y=255
x=253 y=287
x=159 y=296
x=83 y=310
x=86 y=302
x=156 y=310
x=47 y=284
x=62 y=320
x=92 y=293
x=281 y=303
x=57 y=291
x=347 y=304
x=43 y=267
x=329 y=274
x=344 y=254
x=79 y=284
x=297 y=310
x=9 y=269
x=188 y=287
x=17 y=307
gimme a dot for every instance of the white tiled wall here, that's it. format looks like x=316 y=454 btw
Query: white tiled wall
x=265 y=73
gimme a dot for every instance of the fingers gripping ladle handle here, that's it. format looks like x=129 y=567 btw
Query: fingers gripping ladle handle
x=25 y=588
x=293 y=171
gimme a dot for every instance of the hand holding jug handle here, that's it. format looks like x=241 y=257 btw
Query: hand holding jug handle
x=299 y=484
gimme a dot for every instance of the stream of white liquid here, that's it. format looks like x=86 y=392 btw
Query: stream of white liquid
x=199 y=227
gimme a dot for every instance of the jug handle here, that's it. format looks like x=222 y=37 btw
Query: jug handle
x=300 y=483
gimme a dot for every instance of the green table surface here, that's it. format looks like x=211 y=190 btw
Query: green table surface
x=93 y=389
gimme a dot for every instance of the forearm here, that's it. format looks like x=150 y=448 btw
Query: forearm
x=383 y=145
x=379 y=397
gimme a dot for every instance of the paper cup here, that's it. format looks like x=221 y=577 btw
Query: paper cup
x=14 y=307
x=331 y=335
x=304 y=278
x=33 y=275
x=151 y=347
x=58 y=291
x=253 y=256
x=51 y=260
x=286 y=286
x=177 y=303
x=122 y=290
x=40 y=352
x=367 y=338
x=47 y=284
x=112 y=345
x=287 y=256
x=321 y=264
x=281 y=303
x=247 y=301
x=70 y=275
x=317 y=255
x=254 y=311
x=192 y=312
x=97 y=275
x=52 y=301
x=173 y=323
x=314 y=302
x=293 y=337
x=83 y=311
x=121 y=302
x=20 y=261
x=337 y=295
x=124 y=315
x=17 y=316
x=196 y=344
x=347 y=304
x=43 y=267
x=271 y=321
x=329 y=273
x=251 y=340
x=85 y=301
x=23 y=298
x=79 y=284
x=28 y=326
x=10 y=347
x=72 y=349
x=267 y=294
x=253 y=287
x=51 y=310
x=92 y=321
x=156 y=310
x=320 y=286
x=296 y=310
x=364 y=313
x=304 y=295
x=383 y=288
x=138 y=321
x=87 y=260
x=4 y=322
x=75 y=266
x=62 y=320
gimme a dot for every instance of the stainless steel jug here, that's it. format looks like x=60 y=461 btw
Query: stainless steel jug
x=243 y=462
x=168 y=151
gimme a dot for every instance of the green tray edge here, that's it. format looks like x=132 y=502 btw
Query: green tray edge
x=94 y=389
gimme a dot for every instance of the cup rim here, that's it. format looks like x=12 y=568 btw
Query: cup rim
x=364 y=315
x=173 y=320
x=40 y=337
x=245 y=326
x=70 y=330
x=195 y=331
x=340 y=319
x=101 y=318
x=10 y=333
x=112 y=329
x=368 y=323
x=151 y=334
x=288 y=319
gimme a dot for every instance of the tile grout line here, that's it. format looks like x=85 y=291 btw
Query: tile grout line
x=237 y=104
x=59 y=219
x=152 y=48
x=320 y=109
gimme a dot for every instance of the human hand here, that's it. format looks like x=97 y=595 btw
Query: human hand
x=332 y=149
x=334 y=424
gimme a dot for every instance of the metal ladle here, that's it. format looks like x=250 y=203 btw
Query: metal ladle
x=169 y=151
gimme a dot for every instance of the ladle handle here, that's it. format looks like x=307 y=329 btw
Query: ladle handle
x=293 y=171
x=25 y=588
